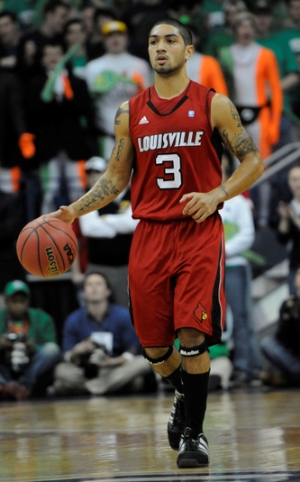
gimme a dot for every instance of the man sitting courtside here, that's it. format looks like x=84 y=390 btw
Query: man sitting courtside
x=102 y=354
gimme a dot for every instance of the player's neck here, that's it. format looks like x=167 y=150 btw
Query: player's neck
x=169 y=87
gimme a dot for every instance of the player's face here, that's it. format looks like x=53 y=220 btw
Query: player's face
x=167 y=51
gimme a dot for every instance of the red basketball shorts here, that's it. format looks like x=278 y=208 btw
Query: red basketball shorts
x=176 y=279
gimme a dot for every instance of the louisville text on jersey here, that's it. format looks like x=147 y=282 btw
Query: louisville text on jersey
x=169 y=139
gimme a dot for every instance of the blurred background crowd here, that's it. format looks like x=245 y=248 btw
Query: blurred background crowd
x=65 y=67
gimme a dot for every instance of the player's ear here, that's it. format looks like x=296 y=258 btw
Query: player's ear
x=189 y=50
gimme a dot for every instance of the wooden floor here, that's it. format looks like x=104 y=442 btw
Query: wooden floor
x=254 y=436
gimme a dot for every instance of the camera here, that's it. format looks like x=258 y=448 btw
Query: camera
x=92 y=363
x=18 y=356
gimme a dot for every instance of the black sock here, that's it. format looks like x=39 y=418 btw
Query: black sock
x=195 y=389
x=175 y=379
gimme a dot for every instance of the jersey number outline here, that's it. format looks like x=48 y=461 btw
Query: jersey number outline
x=175 y=170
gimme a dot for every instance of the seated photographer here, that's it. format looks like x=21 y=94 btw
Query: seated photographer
x=28 y=348
x=102 y=354
x=283 y=349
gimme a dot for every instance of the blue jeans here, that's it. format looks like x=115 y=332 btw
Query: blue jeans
x=246 y=356
x=282 y=358
x=38 y=373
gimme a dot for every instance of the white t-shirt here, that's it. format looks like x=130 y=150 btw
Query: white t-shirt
x=239 y=229
x=110 y=79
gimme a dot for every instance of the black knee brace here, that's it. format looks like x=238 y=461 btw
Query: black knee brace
x=193 y=351
x=158 y=361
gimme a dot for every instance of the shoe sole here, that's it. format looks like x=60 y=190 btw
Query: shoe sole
x=191 y=459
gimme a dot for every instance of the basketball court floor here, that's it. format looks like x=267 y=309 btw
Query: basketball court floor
x=254 y=436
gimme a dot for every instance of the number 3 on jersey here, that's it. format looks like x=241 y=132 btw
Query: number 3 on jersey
x=174 y=170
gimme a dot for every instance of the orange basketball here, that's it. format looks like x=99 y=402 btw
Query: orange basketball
x=47 y=247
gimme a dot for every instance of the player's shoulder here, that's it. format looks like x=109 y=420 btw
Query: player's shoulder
x=221 y=103
x=140 y=98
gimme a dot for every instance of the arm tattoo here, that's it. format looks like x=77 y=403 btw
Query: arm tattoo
x=234 y=114
x=240 y=145
x=119 y=112
x=224 y=190
x=101 y=190
x=118 y=149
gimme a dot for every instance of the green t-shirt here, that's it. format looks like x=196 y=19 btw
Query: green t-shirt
x=41 y=326
x=216 y=42
x=291 y=37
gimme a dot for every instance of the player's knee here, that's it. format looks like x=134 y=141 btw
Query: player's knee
x=190 y=337
x=191 y=351
x=157 y=355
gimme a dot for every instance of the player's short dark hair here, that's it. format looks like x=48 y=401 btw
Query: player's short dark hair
x=183 y=29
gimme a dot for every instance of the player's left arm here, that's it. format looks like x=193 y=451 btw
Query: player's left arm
x=225 y=118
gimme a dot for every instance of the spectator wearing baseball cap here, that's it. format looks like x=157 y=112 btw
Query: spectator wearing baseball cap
x=114 y=26
x=94 y=167
x=104 y=238
x=16 y=286
x=114 y=78
x=28 y=348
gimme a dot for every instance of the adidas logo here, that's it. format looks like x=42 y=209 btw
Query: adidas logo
x=144 y=120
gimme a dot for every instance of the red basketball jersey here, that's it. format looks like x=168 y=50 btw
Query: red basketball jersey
x=177 y=152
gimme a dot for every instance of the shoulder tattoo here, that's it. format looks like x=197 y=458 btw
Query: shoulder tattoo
x=242 y=143
x=119 y=112
x=234 y=114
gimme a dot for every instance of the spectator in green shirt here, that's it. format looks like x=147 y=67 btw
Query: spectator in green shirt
x=28 y=348
x=291 y=36
x=224 y=37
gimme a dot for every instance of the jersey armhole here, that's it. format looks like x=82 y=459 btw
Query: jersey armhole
x=210 y=95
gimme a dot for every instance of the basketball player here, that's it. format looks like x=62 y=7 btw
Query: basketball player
x=171 y=137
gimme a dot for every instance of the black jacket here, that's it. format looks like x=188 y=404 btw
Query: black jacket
x=12 y=118
x=68 y=125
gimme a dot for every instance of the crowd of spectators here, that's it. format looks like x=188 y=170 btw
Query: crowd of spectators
x=65 y=67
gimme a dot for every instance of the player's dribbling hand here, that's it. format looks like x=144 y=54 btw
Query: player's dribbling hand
x=64 y=213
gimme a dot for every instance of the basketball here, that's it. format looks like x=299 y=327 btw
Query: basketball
x=47 y=247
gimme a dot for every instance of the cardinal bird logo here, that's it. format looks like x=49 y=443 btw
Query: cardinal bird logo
x=200 y=312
